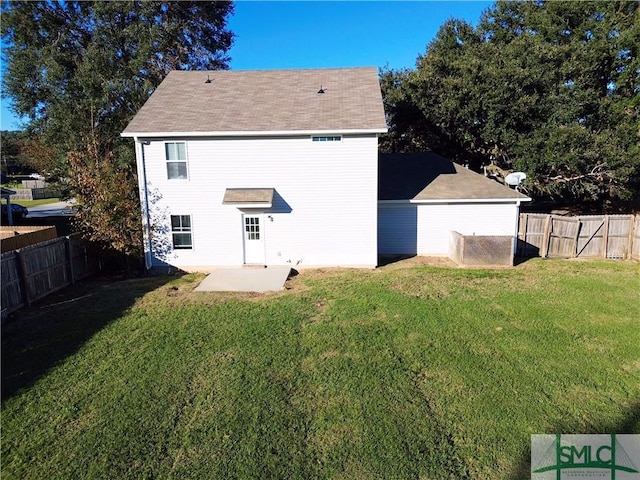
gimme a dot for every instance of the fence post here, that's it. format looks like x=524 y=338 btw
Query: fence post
x=22 y=274
x=632 y=229
x=605 y=236
x=546 y=239
x=67 y=252
x=636 y=234
x=576 y=238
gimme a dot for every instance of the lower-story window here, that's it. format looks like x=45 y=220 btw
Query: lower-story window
x=181 y=231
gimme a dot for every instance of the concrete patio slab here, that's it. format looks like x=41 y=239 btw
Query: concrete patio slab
x=245 y=279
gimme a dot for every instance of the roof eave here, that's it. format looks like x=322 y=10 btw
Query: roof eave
x=247 y=205
x=246 y=133
x=471 y=200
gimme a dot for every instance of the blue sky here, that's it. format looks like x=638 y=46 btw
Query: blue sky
x=290 y=34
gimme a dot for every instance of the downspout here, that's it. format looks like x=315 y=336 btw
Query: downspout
x=146 y=215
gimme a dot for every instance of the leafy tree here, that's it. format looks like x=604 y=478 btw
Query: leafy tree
x=551 y=88
x=80 y=70
x=409 y=129
x=22 y=155
x=11 y=158
x=116 y=209
x=44 y=159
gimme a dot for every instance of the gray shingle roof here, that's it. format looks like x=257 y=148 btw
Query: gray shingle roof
x=427 y=176
x=263 y=101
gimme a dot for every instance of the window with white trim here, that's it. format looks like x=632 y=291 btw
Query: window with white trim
x=327 y=138
x=181 y=232
x=176 y=156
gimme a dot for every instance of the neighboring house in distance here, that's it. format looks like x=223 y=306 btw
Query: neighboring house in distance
x=260 y=167
x=424 y=197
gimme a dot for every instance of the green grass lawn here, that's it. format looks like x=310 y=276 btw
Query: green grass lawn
x=33 y=203
x=408 y=371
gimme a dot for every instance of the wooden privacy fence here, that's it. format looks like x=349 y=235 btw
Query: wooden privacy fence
x=12 y=238
x=34 y=192
x=603 y=236
x=32 y=272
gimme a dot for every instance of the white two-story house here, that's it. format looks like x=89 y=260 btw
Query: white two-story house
x=260 y=167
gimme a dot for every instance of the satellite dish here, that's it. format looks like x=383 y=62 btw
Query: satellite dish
x=516 y=178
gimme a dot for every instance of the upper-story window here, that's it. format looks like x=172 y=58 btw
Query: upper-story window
x=327 y=138
x=176 y=156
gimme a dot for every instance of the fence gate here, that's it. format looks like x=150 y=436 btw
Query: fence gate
x=532 y=234
x=591 y=241
x=619 y=236
x=563 y=237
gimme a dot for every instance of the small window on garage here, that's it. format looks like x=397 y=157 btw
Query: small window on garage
x=176 y=156
x=181 y=232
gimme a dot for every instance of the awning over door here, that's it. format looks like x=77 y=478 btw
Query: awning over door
x=248 y=197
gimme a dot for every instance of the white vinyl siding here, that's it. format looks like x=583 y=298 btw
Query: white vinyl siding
x=324 y=210
x=424 y=229
x=436 y=221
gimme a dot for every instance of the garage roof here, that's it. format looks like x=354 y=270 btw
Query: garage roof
x=423 y=177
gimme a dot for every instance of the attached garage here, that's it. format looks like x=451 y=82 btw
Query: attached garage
x=423 y=198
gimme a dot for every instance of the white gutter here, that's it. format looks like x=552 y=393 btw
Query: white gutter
x=242 y=206
x=457 y=200
x=145 y=201
x=260 y=133
x=393 y=202
x=473 y=200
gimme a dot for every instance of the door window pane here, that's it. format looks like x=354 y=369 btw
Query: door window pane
x=252 y=228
